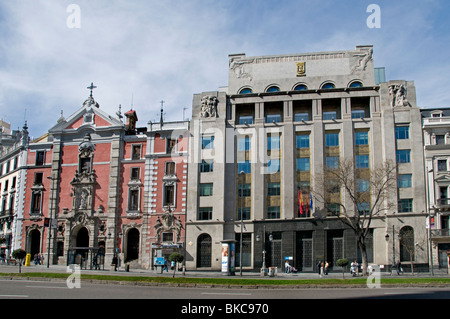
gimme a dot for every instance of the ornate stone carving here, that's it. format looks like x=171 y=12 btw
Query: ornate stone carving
x=168 y=222
x=208 y=107
x=237 y=65
x=397 y=94
x=363 y=59
x=90 y=102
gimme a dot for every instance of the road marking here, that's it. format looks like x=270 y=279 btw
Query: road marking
x=51 y=287
x=13 y=296
x=226 y=293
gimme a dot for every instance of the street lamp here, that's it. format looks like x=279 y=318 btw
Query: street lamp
x=50 y=215
x=241 y=204
x=258 y=238
x=387 y=237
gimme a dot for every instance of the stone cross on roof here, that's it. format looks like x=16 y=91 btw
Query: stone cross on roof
x=92 y=87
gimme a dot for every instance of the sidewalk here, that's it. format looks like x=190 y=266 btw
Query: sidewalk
x=209 y=274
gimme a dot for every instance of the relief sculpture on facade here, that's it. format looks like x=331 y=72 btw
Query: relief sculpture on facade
x=397 y=94
x=168 y=223
x=208 y=107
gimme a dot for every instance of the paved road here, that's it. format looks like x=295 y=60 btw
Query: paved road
x=36 y=289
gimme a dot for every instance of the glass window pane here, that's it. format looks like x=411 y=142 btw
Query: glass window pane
x=402 y=132
x=273 y=189
x=357 y=114
x=302 y=141
x=332 y=162
x=403 y=156
x=206 y=189
x=273 y=118
x=244 y=144
x=245 y=167
x=361 y=138
x=273 y=212
x=245 y=119
x=332 y=139
x=301 y=117
x=303 y=164
x=331 y=115
x=404 y=180
x=273 y=142
x=207 y=142
x=273 y=166
x=362 y=161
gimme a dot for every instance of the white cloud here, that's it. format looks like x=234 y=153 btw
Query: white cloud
x=154 y=50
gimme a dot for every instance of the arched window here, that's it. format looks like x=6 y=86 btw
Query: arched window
x=273 y=89
x=407 y=246
x=328 y=85
x=356 y=84
x=246 y=91
x=301 y=87
x=204 y=244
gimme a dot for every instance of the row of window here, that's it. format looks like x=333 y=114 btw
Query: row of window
x=300 y=117
x=8 y=167
x=302 y=141
x=301 y=87
x=6 y=185
x=274 y=212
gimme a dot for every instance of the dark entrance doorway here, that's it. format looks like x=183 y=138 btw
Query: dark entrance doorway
x=204 y=243
x=83 y=238
x=82 y=244
x=133 y=245
x=35 y=242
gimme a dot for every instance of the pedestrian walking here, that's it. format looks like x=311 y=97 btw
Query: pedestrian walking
x=319 y=267
x=166 y=268
x=326 y=268
x=399 y=267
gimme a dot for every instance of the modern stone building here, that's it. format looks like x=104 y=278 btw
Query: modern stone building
x=257 y=146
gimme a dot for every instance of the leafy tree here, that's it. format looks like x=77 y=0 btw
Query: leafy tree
x=19 y=254
x=177 y=258
x=343 y=262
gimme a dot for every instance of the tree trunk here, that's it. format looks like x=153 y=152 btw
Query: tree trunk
x=362 y=248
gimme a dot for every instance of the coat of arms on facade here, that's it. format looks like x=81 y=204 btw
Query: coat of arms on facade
x=397 y=94
x=301 y=68
x=208 y=107
x=168 y=223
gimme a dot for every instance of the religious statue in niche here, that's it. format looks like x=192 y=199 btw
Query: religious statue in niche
x=397 y=94
x=208 y=107
x=168 y=223
x=84 y=179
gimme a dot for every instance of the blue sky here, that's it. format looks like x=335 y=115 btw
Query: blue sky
x=148 y=51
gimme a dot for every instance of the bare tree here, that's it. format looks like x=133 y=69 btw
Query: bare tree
x=356 y=195
x=410 y=244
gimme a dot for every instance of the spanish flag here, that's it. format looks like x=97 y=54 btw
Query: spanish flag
x=300 y=202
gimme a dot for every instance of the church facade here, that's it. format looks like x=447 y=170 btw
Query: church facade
x=90 y=191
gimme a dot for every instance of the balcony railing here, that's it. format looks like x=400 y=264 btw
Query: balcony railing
x=440 y=232
x=443 y=202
